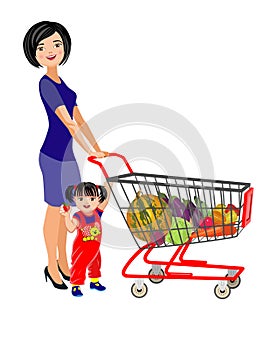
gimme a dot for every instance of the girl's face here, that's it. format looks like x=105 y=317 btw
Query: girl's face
x=86 y=204
x=50 y=51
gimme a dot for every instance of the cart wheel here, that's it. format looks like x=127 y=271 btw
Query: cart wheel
x=234 y=283
x=139 y=293
x=154 y=279
x=222 y=294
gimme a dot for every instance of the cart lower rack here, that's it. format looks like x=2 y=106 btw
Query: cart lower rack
x=172 y=211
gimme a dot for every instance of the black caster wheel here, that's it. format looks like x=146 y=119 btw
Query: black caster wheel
x=234 y=283
x=222 y=294
x=139 y=293
x=156 y=279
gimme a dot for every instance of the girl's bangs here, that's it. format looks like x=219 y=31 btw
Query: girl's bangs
x=86 y=190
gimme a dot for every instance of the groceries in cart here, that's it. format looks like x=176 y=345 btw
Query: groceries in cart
x=148 y=217
x=168 y=211
x=167 y=219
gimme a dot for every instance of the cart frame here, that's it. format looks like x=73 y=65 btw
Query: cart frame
x=227 y=281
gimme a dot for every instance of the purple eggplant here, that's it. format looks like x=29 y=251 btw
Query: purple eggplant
x=197 y=217
x=190 y=207
x=194 y=214
x=158 y=237
x=187 y=214
x=177 y=207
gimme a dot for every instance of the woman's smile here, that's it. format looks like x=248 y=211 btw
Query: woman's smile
x=51 y=57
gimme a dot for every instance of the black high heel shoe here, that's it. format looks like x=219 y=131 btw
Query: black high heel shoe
x=56 y=285
x=65 y=277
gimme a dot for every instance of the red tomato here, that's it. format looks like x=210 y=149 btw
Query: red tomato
x=66 y=207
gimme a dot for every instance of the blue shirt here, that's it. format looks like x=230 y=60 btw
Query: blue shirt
x=58 y=140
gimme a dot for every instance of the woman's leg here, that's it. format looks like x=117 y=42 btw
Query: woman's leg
x=51 y=236
x=62 y=247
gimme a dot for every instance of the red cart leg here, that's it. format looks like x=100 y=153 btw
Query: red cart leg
x=156 y=274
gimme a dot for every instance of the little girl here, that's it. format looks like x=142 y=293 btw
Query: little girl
x=91 y=200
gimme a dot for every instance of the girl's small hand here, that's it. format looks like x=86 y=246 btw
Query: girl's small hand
x=65 y=210
x=108 y=185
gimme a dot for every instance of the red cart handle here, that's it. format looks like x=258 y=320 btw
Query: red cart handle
x=247 y=207
x=92 y=159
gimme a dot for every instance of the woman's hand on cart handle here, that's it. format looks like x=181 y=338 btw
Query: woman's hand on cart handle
x=93 y=156
x=101 y=154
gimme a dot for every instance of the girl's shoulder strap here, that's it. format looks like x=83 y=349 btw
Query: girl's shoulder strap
x=80 y=217
x=99 y=212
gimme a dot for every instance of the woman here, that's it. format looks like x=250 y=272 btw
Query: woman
x=48 y=44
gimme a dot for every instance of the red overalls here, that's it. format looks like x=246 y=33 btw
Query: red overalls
x=86 y=248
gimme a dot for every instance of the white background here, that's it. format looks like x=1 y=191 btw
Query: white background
x=214 y=62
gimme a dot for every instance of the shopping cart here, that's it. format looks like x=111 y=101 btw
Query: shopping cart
x=172 y=211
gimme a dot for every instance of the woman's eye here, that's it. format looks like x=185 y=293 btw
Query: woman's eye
x=92 y=199
x=80 y=199
x=57 y=45
x=40 y=48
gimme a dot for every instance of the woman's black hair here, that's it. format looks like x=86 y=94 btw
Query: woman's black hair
x=40 y=31
x=86 y=189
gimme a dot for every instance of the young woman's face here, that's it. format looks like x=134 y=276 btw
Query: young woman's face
x=86 y=203
x=50 y=51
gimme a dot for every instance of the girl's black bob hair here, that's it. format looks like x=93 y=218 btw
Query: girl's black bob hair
x=40 y=31
x=86 y=189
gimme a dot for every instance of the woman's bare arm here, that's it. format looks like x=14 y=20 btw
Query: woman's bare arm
x=85 y=129
x=74 y=130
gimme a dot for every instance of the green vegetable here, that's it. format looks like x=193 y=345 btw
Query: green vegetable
x=180 y=231
x=203 y=207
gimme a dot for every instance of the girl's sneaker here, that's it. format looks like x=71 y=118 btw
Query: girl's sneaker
x=76 y=291
x=97 y=286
